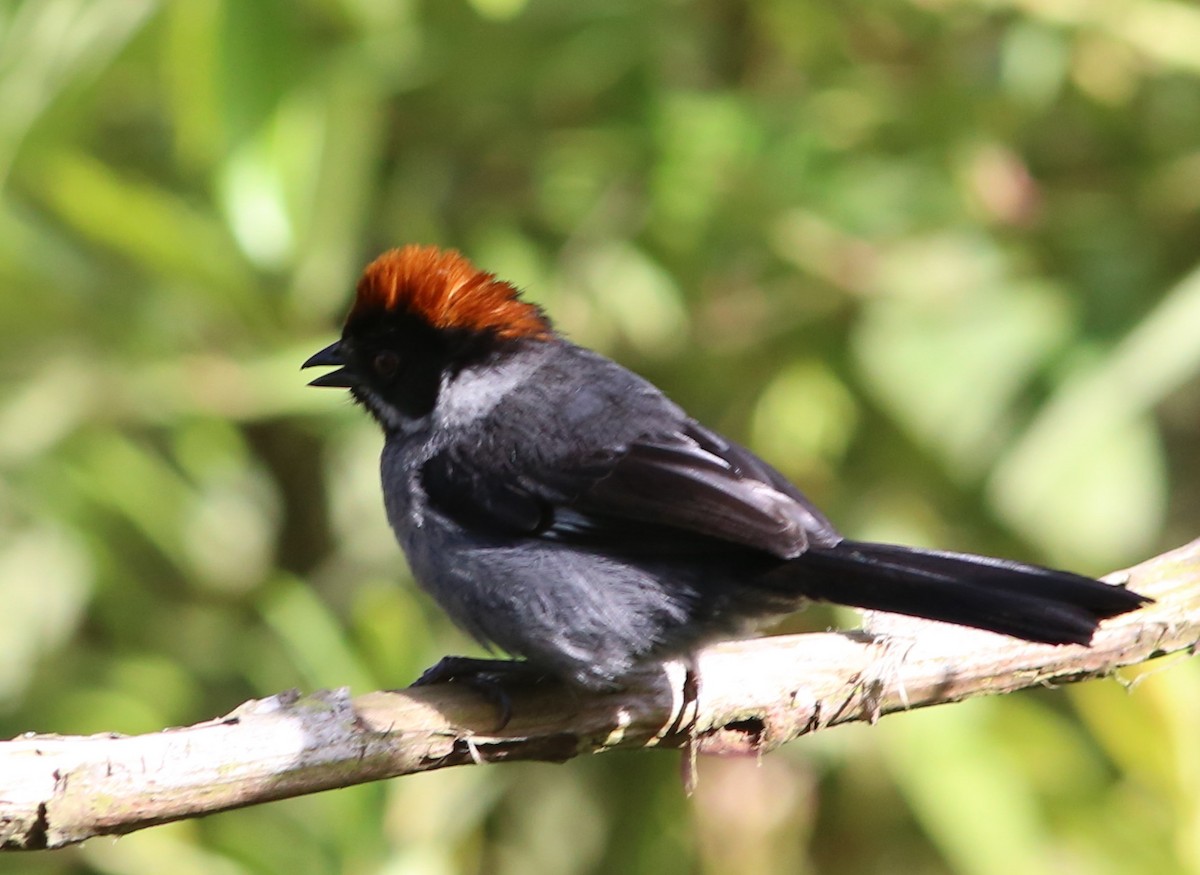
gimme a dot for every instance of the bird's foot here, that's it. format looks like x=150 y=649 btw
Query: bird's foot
x=494 y=679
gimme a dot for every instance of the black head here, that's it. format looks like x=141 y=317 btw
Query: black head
x=418 y=314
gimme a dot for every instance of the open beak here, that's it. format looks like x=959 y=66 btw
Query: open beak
x=330 y=356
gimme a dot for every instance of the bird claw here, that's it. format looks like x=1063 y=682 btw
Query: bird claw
x=491 y=678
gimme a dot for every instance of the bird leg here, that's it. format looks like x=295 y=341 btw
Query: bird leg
x=491 y=678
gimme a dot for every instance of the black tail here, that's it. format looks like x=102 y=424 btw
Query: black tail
x=1025 y=601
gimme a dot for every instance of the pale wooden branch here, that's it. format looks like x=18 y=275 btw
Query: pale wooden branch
x=752 y=696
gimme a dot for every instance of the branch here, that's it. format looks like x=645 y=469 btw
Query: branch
x=753 y=696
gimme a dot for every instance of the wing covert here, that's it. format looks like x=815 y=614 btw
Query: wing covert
x=602 y=478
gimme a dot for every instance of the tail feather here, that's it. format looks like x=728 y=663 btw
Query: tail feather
x=1025 y=601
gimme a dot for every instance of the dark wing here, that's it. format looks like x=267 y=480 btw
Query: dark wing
x=620 y=465
x=694 y=481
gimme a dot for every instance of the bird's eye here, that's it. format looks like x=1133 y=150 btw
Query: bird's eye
x=386 y=363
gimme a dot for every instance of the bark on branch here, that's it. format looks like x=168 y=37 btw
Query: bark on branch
x=752 y=697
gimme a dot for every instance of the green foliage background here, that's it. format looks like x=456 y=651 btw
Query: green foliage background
x=936 y=259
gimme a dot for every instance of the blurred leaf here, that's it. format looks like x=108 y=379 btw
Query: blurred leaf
x=967 y=794
x=144 y=852
x=45 y=583
x=637 y=295
x=126 y=477
x=706 y=142
x=1087 y=477
x=49 y=46
x=951 y=366
x=804 y=418
x=189 y=59
x=145 y=223
x=1098 y=496
x=1035 y=62
x=314 y=638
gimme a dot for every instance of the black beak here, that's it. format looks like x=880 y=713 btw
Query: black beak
x=330 y=356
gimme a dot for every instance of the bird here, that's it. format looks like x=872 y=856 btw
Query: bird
x=563 y=509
